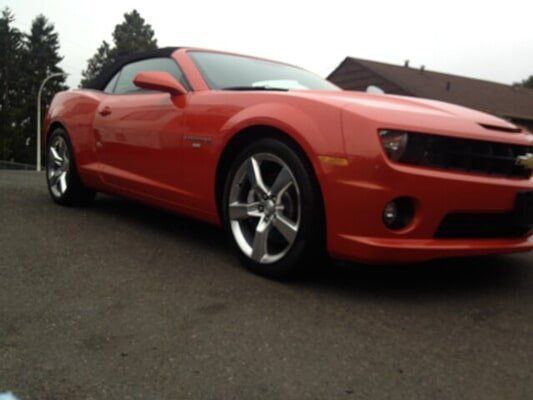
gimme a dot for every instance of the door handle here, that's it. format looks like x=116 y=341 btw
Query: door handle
x=105 y=111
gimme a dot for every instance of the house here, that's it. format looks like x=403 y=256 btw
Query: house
x=510 y=102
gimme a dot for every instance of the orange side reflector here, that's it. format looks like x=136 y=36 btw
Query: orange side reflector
x=339 y=161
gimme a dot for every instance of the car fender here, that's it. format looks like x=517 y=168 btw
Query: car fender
x=319 y=134
x=74 y=110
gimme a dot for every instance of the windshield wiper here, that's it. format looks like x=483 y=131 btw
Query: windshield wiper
x=255 y=88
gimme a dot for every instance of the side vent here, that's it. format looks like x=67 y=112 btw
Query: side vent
x=501 y=128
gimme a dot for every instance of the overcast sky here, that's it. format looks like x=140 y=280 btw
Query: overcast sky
x=472 y=38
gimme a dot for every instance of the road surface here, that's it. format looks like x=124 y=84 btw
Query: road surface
x=119 y=301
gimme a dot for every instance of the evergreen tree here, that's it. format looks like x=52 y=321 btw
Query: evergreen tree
x=11 y=42
x=132 y=35
x=96 y=63
x=41 y=59
x=527 y=83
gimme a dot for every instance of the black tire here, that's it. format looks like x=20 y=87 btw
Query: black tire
x=308 y=248
x=75 y=193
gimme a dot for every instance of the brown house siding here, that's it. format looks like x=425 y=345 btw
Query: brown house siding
x=354 y=76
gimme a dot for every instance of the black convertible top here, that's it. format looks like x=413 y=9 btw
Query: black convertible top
x=109 y=70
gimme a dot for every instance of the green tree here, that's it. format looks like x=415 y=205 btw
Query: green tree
x=41 y=59
x=96 y=63
x=132 y=35
x=527 y=83
x=11 y=44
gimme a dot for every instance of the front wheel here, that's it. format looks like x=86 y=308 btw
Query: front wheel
x=272 y=209
x=64 y=183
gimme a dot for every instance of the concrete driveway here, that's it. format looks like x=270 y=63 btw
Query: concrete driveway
x=119 y=301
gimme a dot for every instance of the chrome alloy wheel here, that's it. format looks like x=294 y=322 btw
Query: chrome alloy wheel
x=264 y=208
x=57 y=166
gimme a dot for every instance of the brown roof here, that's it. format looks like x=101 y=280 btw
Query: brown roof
x=495 y=98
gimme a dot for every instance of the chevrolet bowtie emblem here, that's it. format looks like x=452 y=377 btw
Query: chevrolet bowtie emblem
x=525 y=161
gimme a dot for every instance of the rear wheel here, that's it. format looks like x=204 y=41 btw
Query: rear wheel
x=272 y=209
x=64 y=183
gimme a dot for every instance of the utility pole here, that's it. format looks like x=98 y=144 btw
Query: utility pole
x=38 y=166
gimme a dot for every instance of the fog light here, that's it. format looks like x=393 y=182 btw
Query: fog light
x=390 y=213
x=398 y=213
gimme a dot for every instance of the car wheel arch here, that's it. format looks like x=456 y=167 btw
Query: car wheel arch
x=53 y=126
x=248 y=135
x=59 y=125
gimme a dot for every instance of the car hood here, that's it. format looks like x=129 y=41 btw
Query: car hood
x=391 y=111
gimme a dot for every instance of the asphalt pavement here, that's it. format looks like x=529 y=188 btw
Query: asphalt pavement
x=121 y=301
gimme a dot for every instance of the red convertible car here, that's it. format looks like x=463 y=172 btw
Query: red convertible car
x=289 y=164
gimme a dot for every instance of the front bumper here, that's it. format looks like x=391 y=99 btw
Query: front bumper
x=398 y=251
x=356 y=195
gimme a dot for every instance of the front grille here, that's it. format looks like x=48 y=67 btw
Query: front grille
x=482 y=226
x=473 y=156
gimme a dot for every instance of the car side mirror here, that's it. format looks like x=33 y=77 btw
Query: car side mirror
x=159 y=81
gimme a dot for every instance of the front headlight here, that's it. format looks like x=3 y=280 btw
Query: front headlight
x=455 y=153
x=394 y=143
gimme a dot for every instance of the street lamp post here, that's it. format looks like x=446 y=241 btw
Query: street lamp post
x=39 y=115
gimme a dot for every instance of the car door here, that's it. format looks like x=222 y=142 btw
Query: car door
x=138 y=133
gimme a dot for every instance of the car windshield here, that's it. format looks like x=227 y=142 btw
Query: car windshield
x=232 y=72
